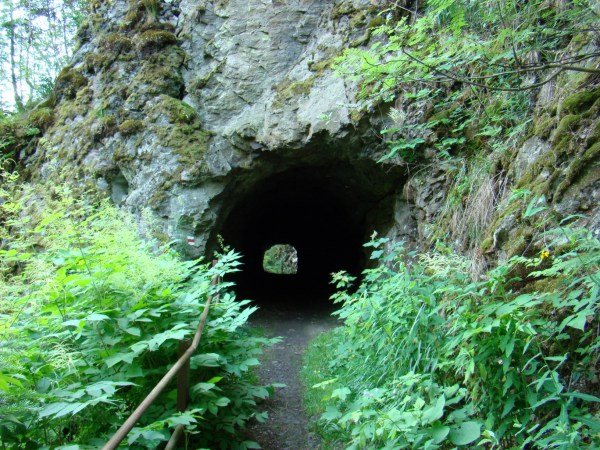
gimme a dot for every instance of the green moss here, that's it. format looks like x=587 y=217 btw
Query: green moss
x=580 y=101
x=184 y=134
x=342 y=8
x=96 y=62
x=152 y=40
x=80 y=106
x=288 y=89
x=17 y=135
x=116 y=43
x=178 y=112
x=543 y=125
x=41 y=118
x=376 y=22
x=199 y=82
x=358 y=20
x=594 y=135
x=151 y=6
x=190 y=142
x=567 y=124
x=593 y=112
x=157 y=78
x=141 y=12
x=68 y=82
x=576 y=167
x=578 y=41
x=356 y=115
x=89 y=28
x=132 y=18
x=130 y=127
x=320 y=66
x=103 y=126
x=486 y=245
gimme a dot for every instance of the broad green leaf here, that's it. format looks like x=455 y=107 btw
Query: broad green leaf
x=223 y=401
x=7 y=381
x=466 y=433
x=341 y=393
x=578 y=322
x=439 y=432
x=535 y=206
x=119 y=357
x=331 y=413
x=434 y=412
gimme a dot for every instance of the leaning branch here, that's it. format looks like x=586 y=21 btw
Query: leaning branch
x=560 y=68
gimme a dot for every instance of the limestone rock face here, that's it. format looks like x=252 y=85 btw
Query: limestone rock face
x=174 y=107
x=177 y=109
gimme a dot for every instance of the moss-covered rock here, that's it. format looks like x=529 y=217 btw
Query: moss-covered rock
x=103 y=126
x=130 y=127
x=567 y=124
x=153 y=40
x=16 y=136
x=594 y=135
x=181 y=132
x=363 y=39
x=358 y=19
x=320 y=66
x=342 y=8
x=132 y=19
x=155 y=78
x=141 y=13
x=580 y=101
x=116 y=43
x=576 y=168
x=289 y=89
x=41 y=118
x=176 y=110
x=542 y=126
x=68 y=82
x=96 y=62
x=79 y=106
x=190 y=142
x=376 y=22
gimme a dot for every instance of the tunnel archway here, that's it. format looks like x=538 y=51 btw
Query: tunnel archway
x=325 y=212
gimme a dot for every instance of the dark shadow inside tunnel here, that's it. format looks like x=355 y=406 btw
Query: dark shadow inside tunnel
x=325 y=213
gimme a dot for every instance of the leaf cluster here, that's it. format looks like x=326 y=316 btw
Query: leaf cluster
x=429 y=358
x=468 y=69
x=90 y=319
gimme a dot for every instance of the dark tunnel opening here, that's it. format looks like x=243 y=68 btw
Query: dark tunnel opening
x=325 y=212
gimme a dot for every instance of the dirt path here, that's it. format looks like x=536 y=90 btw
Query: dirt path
x=287 y=426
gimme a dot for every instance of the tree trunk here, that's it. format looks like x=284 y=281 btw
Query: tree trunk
x=13 y=65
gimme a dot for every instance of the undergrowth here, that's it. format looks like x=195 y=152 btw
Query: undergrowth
x=429 y=358
x=90 y=319
x=459 y=74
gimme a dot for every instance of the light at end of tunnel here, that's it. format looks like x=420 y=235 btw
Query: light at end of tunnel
x=281 y=259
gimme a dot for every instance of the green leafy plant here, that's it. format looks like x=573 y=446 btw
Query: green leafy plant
x=466 y=69
x=429 y=358
x=90 y=319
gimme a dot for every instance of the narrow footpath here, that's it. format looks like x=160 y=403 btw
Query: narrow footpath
x=288 y=425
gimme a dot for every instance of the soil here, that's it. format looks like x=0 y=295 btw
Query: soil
x=288 y=425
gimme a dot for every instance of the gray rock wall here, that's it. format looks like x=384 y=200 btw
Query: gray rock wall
x=180 y=108
x=177 y=109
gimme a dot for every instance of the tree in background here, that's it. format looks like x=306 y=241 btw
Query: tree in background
x=36 y=40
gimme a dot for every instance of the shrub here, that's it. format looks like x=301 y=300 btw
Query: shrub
x=90 y=319
x=428 y=358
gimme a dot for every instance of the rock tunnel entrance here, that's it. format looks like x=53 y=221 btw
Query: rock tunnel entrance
x=325 y=212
